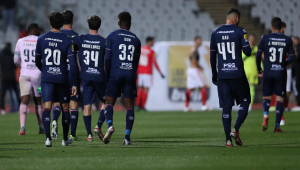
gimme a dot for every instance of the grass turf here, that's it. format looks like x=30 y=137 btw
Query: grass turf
x=163 y=140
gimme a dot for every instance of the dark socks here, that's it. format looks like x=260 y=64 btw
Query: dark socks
x=226 y=118
x=242 y=114
x=266 y=106
x=101 y=119
x=46 y=122
x=74 y=121
x=129 y=122
x=88 y=124
x=56 y=112
x=66 y=123
x=109 y=114
x=279 y=113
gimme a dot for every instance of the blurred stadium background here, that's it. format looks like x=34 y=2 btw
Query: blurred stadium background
x=167 y=20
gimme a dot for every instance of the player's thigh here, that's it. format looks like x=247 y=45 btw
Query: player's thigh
x=100 y=90
x=226 y=98
x=146 y=80
x=36 y=83
x=63 y=92
x=268 y=86
x=48 y=91
x=89 y=92
x=114 y=87
x=25 y=85
x=280 y=86
x=129 y=89
x=241 y=90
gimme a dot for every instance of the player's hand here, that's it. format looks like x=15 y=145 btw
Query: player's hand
x=162 y=76
x=74 y=91
x=260 y=73
x=215 y=79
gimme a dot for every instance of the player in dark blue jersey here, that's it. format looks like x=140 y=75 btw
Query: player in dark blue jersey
x=275 y=46
x=122 y=56
x=52 y=50
x=227 y=43
x=91 y=57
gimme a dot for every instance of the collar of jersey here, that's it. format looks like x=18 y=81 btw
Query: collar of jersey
x=94 y=34
x=276 y=33
x=55 y=32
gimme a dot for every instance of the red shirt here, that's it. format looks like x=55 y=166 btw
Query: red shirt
x=147 y=58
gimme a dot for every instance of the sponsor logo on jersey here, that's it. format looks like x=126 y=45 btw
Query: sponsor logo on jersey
x=31 y=66
x=245 y=36
x=225 y=32
x=229 y=67
x=126 y=66
x=92 y=71
x=277 y=67
x=54 y=70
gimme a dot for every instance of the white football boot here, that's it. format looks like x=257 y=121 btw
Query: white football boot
x=54 y=130
x=48 y=143
x=108 y=135
x=126 y=142
x=68 y=142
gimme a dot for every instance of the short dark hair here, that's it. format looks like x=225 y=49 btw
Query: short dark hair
x=195 y=55
x=197 y=37
x=68 y=16
x=283 y=24
x=56 y=20
x=32 y=27
x=233 y=10
x=148 y=39
x=94 y=22
x=276 y=23
x=296 y=37
x=125 y=18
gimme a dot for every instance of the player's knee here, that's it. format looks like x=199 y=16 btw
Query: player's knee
x=279 y=98
x=25 y=100
x=267 y=97
x=129 y=103
x=65 y=106
x=47 y=105
x=73 y=105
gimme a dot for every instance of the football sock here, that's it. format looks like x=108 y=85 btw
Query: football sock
x=266 y=106
x=145 y=95
x=101 y=119
x=46 y=122
x=252 y=93
x=203 y=94
x=88 y=124
x=139 y=97
x=226 y=118
x=279 y=113
x=74 y=121
x=188 y=97
x=66 y=123
x=38 y=110
x=56 y=112
x=109 y=114
x=129 y=122
x=23 y=113
x=242 y=114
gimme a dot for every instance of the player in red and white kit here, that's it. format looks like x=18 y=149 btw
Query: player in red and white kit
x=144 y=72
x=30 y=77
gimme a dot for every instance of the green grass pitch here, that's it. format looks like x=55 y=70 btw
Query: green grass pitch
x=163 y=140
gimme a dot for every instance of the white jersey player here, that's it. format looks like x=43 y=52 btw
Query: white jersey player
x=30 y=77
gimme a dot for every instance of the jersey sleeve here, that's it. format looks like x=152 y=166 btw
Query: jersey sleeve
x=137 y=55
x=73 y=63
x=213 y=46
x=261 y=44
x=244 y=39
x=17 y=59
x=291 y=52
x=75 y=40
x=108 y=45
x=260 y=49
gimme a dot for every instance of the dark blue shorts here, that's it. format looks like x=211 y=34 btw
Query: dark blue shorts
x=118 y=84
x=90 y=89
x=57 y=91
x=231 y=90
x=274 y=85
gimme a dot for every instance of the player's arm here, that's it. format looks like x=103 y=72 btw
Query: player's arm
x=17 y=58
x=156 y=66
x=107 y=57
x=291 y=53
x=213 y=59
x=73 y=68
x=245 y=44
x=38 y=55
x=137 y=55
x=258 y=57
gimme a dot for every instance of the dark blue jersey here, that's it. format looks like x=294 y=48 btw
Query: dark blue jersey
x=69 y=32
x=52 y=51
x=122 y=54
x=91 y=56
x=275 y=47
x=227 y=42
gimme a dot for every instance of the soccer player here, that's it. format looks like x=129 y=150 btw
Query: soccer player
x=52 y=50
x=67 y=29
x=227 y=43
x=250 y=68
x=195 y=77
x=30 y=78
x=122 y=54
x=288 y=81
x=91 y=57
x=275 y=46
x=147 y=59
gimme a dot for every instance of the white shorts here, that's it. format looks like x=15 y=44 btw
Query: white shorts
x=145 y=80
x=289 y=80
x=195 y=78
x=29 y=83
